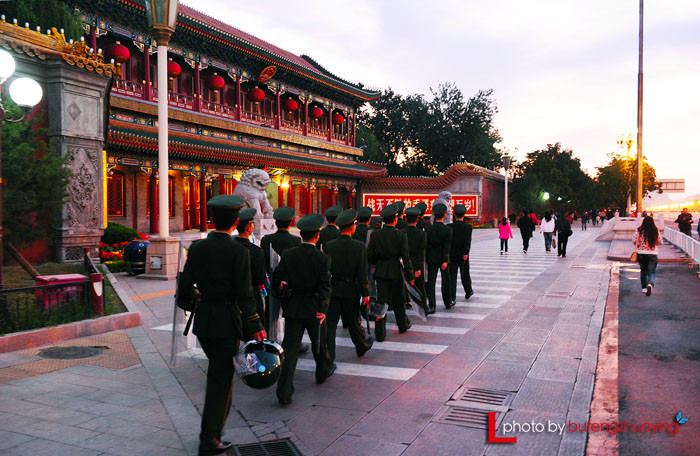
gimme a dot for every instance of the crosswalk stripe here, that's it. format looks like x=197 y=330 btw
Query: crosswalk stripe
x=406 y=347
x=463 y=303
x=432 y=329
x=457 y=316
x=363 y=370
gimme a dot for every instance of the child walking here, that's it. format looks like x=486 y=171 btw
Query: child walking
x=504 y=233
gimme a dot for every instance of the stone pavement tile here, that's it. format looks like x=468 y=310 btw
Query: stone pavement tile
x=579 y=331
x=498 y=375
x=127 y=447
x=521 y=335
x=537 y=322
x=363 y=446
x=479 y=339
x=333 y=422
x=504 y=313
x=9 y=439
x=268 y=409
x=112 y=397
x=237 y=435
x=530 y=443
x=563 y=346
x=58 y=432
x=490 y=324
x=44 y=412
x=62 y=401
x=41 y=447
x=543 y=396
x=13 y=358
x=574 y=317
x=116 y=426
x=514 y=353
x=543 y=311
x=556 y=368
x=163 y=437
x=447 y=439
x=356 y=393
x=119 y=411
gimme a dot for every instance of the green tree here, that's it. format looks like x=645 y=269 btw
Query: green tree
x=617 y=180
x=44 y=13
x=34 y=180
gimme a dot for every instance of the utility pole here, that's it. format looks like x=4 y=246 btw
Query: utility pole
x=640 y=90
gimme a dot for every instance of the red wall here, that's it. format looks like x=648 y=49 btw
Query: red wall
x=492 y=200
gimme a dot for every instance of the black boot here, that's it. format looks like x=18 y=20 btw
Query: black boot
x=380 y=329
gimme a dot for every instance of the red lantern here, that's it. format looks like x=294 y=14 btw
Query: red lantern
x=215 y=82
x=174 y=69
x=118 y=52
x=291 y=105
x=338 y=119
x=316 y=112
x=256 y=94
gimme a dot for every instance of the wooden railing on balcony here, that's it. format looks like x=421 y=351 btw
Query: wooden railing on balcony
x=259 y=119
x=132 y=89
x=218 y=109
x=291 y=126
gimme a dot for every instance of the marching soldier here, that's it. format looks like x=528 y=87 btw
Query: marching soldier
x=438 y=256
x=220 y=267
x=400 y=222
x=386 y=247
x=246 y=225
x=459 y=253
x=422 y=223
x=303 y=281
x=330 y=231
x=282 y=239
x=348 y=284
x=364 y=214
x=417 y=241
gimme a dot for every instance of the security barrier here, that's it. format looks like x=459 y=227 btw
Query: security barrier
x=687 y=244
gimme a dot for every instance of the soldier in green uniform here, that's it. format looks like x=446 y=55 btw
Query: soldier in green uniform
x=220 y=267
x=417 y=241
x=400 y=222
x=348 y=284
x=459 y=253
x=438 y=256
x=387 y=248
x=246 y=225
x=330 y=231
x=282 y=239
x=364 y=214
x=303 y=281
x=422 y=223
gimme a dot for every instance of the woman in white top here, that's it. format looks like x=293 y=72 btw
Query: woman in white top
x=547 y=228
x=647 y=240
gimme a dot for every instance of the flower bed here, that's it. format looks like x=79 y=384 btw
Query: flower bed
x=112 y=244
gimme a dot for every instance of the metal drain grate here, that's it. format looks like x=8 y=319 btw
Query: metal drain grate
x=71 y=352
x=490 y=400
x=463 y=416
x=281 y=447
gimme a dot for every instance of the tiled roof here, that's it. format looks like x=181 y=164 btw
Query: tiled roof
x=438 y=182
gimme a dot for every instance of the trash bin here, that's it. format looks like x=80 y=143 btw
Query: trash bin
x=135 y=257
x=74 y=285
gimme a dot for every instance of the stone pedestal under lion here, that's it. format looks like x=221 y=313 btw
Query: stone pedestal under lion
x=251 y=188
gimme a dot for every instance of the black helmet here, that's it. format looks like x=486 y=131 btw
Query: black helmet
x=259 y=364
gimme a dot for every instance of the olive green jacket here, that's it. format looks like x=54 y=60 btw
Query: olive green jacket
x=348 y=267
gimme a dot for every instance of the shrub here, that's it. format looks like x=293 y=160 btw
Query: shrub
x=116 y=234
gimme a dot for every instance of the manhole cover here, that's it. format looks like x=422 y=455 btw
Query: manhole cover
x=71 y=352
x=483 y=399
x=463 y=416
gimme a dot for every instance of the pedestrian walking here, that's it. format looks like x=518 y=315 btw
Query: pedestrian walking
x=364 y=214
x=387 y=249
x=245 y=227
x=349 y=285
x=459 y=253
x=527 y=227
x=302 y=281
x=685 y=222
x=535 y=222
x=504 y=233
x=438 y=258
x=646 y=241
x=584 y=221
x=417 y=243
x=547 y=229
x=330 y=231
x=563 y=229
x=220 y=268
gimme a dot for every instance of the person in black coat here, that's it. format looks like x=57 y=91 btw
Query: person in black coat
x=282 y=239
x=422 y=224
x=527 y=227
x=330 y=231
x=563 y=228
x=437 y=256
x=459 y=253
x=246 y=225
x=302 y=281
x=417 y=242
x=220 y=268
x=364 y=214
x=400 y=222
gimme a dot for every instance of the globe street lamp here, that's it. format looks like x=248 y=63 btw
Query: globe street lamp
x=162 y=15
x=506 y=167
x=26 y=93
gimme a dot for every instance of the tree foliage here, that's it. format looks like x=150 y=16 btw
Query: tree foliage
x=419 y=136
x=34 y=180
x=44 y=13
x=618 y=179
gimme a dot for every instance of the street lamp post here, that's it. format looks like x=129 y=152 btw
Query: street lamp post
x=506 y=167
x=640 y=91
x=26 y=93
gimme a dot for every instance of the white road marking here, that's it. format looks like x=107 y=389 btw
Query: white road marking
x=455 y=315
x=407 y=347
x=363 y=370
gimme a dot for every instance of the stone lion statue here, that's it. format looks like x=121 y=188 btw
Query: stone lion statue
x=251 y=188
x=444 y=198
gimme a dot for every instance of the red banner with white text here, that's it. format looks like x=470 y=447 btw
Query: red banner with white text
x=378 y=201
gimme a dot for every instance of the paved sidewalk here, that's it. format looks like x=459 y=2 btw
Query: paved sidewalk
x=530 y=332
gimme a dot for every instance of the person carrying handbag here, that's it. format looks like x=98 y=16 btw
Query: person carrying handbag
x=646 y=241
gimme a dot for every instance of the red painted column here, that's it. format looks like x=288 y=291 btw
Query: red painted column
x=222 y=185
x=353 y=130
x=134 y=213
x=238 y=98
x=202 y=203
x=147 y=92
x=305 y=131
x=280 y=196
x=193 y=206
x=350 y=200
x=346 y=124
x=197 y=89
x=278 y=112
x=290 y=196
x=153 y=201
x=330 y=124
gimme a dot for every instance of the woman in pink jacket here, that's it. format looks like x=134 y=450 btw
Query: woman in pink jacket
x=504 y=233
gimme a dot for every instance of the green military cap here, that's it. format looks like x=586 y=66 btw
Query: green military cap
x=389 y=210
x=439 y=210
x=311 y=222
x=459 y=210
x=401 y=205
x=413 y=211
x=283 y=213
x=333 y=211
x=365 y=212
x=247 y=214
x=347 y=217
x=422 y=206
x=226 y=202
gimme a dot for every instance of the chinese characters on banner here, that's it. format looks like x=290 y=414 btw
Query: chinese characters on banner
x=378 y=201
